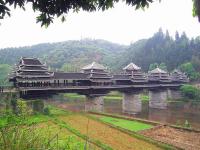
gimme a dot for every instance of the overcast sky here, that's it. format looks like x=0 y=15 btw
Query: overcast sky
x=122 y=24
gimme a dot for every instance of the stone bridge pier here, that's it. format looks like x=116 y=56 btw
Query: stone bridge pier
x=131 y=102
x=174 y=94
x=158 y=98
x=94 y=103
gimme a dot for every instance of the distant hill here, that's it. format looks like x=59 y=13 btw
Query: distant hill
x=69 y=52
x=159 y=50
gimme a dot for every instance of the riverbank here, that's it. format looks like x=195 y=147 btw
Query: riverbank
x=73 y=130
x=76 y=130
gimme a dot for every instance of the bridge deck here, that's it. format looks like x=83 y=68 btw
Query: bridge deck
x=57 y=88
x=74 y=88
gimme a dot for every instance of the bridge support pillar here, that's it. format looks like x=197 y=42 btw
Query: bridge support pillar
x=94 y=103
x=158 y=99
x=174 y=94
x=131 y=103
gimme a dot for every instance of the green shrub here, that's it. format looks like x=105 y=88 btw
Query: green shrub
x=47 y=111
x=187 y=124
x=190 y=92
x=144 y=98
x=22 y=108
x=38 y=106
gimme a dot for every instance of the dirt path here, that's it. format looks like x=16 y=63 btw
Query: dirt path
x=181 y=138
x=107 y=135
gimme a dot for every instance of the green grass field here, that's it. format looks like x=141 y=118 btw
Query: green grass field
x=39 y=131
x=126 y=124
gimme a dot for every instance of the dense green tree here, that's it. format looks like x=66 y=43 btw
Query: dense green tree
x=78 y=53
x=167 y=36
x=163 y=66
x=177 y=36
x=161 y=48
x=68 y=67
x=187 y=68
x=196 y=62
x=4 y=71
x=196 y=8
x=191 y=92
x=153 y=66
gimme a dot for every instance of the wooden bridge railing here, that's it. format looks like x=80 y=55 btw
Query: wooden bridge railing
x=78 y=87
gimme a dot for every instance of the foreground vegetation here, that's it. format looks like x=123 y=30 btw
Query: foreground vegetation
x=27 y=131
x=56 y=129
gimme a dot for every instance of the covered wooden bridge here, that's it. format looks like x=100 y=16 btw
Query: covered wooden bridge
x=30 y=75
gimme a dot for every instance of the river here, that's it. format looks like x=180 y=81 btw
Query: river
x=174 y=113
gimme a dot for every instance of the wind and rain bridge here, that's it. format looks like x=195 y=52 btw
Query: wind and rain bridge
x=31 y=78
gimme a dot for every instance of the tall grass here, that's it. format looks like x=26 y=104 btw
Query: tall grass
x=23 y=131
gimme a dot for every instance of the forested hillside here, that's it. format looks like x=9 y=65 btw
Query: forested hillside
x=159 y=50
x=167 y=52
x=5 y=69
x=69 y=52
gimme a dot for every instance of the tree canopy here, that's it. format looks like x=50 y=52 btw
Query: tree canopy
x=49 y=9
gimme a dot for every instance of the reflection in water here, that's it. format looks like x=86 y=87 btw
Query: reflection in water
x=131 y=103
x=158 y=99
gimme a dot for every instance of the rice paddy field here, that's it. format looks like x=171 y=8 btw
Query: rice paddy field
x=112 y=137
x=65 y=130
x=126 y=124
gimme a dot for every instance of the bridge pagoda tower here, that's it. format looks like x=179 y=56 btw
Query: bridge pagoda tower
x=179 y=77
x=135 y=73
x=97 y=74
x=30 y=72
x=158 y=75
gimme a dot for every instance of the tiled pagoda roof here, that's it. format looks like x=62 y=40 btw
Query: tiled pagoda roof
x=157 y=70
x=30 y=61
x=131 y=67
x=94 y=65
